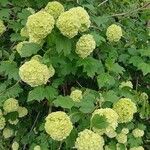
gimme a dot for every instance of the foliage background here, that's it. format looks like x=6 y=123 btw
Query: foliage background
x=109 y=65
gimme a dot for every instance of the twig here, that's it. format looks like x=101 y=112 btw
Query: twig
x=103 y=3
x=78 y=83
x=60 y=146
x=32 y=128
x=132 y=11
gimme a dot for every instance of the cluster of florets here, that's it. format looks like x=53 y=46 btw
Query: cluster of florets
x=114 y=33
x=37 y=147
x=72 y=21
x=137 y=133
x=7 y=133
x=58 y=125
x=11 y=105
x=35 y=73
x=39 y=25
x=126 y=84
x=2 y=27
x=125 y=130
x=137 y=148
x=85 y=45
x=76 y=95
x=15 y=146
x=121 y=138
x=112 y=119
x=88 y=140
x=125 y=108
x=54 y=8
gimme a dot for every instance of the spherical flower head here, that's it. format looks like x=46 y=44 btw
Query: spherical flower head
x=110 y=132
x=24 y=32
x=68 y=24
x=2 y=27
x=125 y=109
x=37 y=147
x=88 y=140
x=2 y=122
x=58 y=125
x=10 y=105
x=39 y=25
x=114 y=33
x=76 y=95
x=143 y=96
x=37 y=57
x=15 y=146
x=125 y=130
x=126 y=84
x=13 y=122
x=83 y=18
x=7 y=133
x=54 y=8
x=137 y=133
x=121 y=138
x=34 y=73
x=137 y=148
x=85 y=45
x=22 y=111
x=19 y=46
x=112 y=118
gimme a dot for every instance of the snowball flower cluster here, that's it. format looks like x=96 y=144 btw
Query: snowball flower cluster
x=58 y=125
x=125 y=130
x=137 y=133
x=110 y=132
x=7 y=133
x=112 y=118
x=121 y=138
x=72 y=21
x=10 y=105
x=83 y=17
x=76 y=95
x=39 y=25
x=54 y=8
x=114 y=33
x=85 y=45
x=24 y=32
x=14 y=122
x=37 y=147
x=137 y=148
x=126 y=84
x=88 y=140
x=2 y=122
x=125 y=109
x=15 y=146
x=22 y=111
x=2 y=27
x=35 y=73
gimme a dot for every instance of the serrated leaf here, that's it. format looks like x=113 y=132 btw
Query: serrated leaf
x=28 y=49
x=36 y=94
x=145 y=67
x=64 y=102
x=91 y=66
x=99 y=122
x=105 y=80
x=50 y=93
x=10 y=69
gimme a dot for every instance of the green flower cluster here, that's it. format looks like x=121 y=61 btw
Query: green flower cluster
x=58 y=125
x=85 y=45
x=137 y=133
x=76 y=95
x=88 y=140
x=125 y=108
x=2 y=27
x=35 y=73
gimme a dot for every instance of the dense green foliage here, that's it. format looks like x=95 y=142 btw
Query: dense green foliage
x=114 y=70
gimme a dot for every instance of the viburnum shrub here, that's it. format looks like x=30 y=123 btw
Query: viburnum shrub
x=74 y=75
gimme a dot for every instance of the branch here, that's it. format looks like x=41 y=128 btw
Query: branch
x=132 y=11
x=103 y=3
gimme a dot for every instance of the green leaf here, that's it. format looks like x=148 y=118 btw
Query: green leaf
x=105 y=80
x=145 y=52
x=91 y=66
x=28 y=49
x=99 y=122
x=64 y=102
x=10 y=69
x=145 y=67
x=37 y=94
